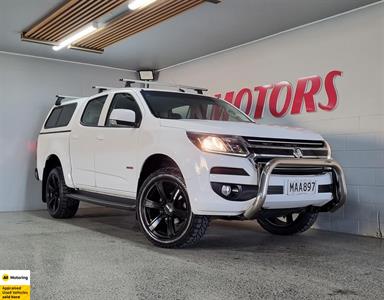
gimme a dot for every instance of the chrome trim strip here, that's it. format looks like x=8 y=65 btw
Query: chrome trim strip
x=285 y=147
x=321 y=143
x=259 y=200
x=287 y=156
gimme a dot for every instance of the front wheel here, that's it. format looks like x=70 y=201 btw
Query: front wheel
x=164 y=211
x=288 y=224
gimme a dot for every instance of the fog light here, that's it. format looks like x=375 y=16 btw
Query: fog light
x=234 y=192
x=226 y=190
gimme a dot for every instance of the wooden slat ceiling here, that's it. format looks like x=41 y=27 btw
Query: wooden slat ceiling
x=76 y=14
x=70 y=17
x=134 y=22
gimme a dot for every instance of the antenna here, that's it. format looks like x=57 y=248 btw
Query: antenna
x=60 y=98
x=182 y=88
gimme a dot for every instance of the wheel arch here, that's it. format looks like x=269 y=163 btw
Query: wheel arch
x=51 y=162
x=154 y=163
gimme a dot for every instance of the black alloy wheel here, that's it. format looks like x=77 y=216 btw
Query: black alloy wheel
x=53 y=192
x=288 y=224
x=283 y=221
x=58 y=204
x=164 y=211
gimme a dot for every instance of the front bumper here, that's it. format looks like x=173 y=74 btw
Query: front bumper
x=340 y=189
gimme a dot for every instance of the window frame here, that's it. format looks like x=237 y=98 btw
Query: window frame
x=109 y=111
x=61 y=107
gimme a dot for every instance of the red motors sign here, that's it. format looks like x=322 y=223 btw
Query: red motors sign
x=285 y=98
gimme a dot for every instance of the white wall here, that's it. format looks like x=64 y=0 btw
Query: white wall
x=352 y=43
x=28 y=87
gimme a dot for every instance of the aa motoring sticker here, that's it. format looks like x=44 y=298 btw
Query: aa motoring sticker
x=15 y=284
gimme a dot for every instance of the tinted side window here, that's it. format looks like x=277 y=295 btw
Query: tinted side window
x=53 y=117
x=92 y=111
x=60 y=116
x=123 y=101
x=66 y=115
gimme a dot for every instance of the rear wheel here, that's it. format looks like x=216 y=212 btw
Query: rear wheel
x=288 y=224
x=164 y=212
x=58 y=204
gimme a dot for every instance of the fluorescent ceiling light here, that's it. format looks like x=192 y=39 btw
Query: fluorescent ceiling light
x=135 y=4
x=77 y=36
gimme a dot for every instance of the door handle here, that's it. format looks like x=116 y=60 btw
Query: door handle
x=100 y=137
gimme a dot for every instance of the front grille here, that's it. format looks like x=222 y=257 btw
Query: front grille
x=265 y=149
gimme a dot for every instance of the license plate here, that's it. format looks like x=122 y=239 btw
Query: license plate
x=301 y=186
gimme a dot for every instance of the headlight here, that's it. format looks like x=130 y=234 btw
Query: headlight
x=230 y=145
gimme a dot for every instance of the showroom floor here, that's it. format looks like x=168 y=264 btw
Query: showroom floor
x=101 y=254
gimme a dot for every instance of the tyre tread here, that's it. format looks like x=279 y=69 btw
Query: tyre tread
x=199 y=223
x=67 y=206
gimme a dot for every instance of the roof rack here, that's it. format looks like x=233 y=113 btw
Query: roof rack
x=103 y=88
x=60 y=98
x=182 y=88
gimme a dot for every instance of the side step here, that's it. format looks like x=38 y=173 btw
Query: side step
x=104 y=200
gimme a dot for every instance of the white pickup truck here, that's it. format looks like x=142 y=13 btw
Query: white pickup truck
x=180 y=158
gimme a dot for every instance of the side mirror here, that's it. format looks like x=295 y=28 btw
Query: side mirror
x=122 y=117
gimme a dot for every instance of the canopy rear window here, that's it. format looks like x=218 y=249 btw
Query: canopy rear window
x=60 y=116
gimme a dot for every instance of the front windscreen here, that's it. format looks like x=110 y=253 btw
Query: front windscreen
x=168 y=105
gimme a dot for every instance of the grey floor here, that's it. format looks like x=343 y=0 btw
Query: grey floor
x=101 y=254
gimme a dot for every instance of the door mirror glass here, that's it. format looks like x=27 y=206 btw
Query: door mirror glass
x=122 y=117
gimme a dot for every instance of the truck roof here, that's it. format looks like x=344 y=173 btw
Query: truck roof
x=69 y=100
x=174 y=88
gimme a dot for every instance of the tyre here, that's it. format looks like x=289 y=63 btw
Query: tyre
x=288 y=224
x=164 y=211
x=58 y=204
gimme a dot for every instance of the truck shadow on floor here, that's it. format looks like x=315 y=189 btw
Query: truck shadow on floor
x=245 y=236
x=231 y=251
